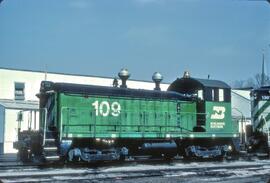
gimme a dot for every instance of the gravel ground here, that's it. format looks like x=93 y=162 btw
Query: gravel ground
x=195 y=179
x=203 y=172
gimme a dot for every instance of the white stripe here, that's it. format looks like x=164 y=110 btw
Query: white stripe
x=266 y=123
x=257 y=107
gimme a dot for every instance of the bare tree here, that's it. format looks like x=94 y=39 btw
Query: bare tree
x=262 y=80
x=255 y=82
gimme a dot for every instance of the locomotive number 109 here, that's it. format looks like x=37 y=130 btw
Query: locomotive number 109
x=104 y=108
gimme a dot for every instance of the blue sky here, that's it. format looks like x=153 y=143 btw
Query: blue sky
x=223 y=38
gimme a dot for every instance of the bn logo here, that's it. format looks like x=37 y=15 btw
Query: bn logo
x=219 y=112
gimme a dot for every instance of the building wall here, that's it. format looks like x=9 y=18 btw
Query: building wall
x=10 y=132
x=11 y=127
x=241 y=105
x=32 y=81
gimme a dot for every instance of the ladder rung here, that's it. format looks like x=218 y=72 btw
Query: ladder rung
x=50 y=140
x=52 y=157
x=50 y=148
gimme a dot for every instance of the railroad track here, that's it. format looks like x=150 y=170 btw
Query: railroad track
x=134 y=171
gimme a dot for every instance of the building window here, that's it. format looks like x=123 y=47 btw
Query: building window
x=19 y=91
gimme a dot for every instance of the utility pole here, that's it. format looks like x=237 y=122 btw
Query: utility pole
x=263 y=74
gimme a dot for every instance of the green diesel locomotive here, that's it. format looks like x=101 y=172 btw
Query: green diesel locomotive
x=259 y=133
x=96 y=123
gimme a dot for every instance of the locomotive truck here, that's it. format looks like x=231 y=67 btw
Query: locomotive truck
x=97 y=123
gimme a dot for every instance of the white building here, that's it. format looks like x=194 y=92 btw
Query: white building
x=241 y=110
x=9 y=123
x=18 y=89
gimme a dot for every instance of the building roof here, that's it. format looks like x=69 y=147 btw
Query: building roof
x=20 y=105
x=73 y=74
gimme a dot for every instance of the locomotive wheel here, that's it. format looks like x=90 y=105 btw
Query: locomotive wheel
x=122 y=158
x=168 y=157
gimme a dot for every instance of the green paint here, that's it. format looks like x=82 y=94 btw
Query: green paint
x=120 y=117
x=261 y=109
x=218 y=118
x=94 y=117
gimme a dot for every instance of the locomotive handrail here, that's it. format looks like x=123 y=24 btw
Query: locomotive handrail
x=141 y=127
x=44 y=126
x=138 y=126
x=151 y=112
x=87 y=109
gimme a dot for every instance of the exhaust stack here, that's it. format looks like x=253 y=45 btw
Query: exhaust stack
x=157 y=78
x=124 y=75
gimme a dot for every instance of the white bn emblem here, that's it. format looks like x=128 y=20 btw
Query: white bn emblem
x=219 y=112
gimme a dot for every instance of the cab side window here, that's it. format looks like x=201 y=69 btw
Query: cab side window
x=221 y=95
x=216 y=95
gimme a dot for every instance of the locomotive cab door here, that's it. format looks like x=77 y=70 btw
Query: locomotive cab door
x=200 y=108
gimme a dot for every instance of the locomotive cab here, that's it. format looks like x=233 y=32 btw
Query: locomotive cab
x=213 y=102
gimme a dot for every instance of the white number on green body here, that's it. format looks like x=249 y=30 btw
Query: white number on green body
x=104 y=108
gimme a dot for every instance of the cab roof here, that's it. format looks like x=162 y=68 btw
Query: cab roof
x=186 y=85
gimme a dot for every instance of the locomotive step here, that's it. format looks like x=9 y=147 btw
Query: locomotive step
x=50 y=148
x=50 y=144
x=52 y=158
x=49 y=140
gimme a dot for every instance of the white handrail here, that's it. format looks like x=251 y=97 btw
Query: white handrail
x=45 y=123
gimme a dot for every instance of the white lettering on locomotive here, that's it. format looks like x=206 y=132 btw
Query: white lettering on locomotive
x=217 y=125
x=104 y=108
